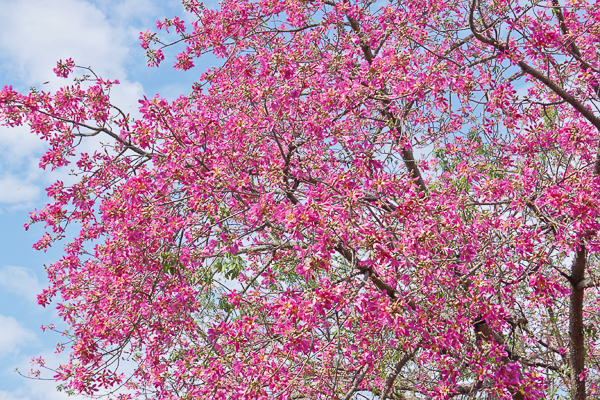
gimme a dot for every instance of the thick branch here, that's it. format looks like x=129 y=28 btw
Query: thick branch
x=354 y=387
x=577 y=345
x=586 y=283
x=373 y=276
x=484 y=332
x=389 y=382
x=97 y=130
x=407 y=153
x=562 y=93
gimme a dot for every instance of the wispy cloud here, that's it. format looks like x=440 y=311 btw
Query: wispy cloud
x=14 y=190
x=4 y=395
x=20 y=281
x=12 y=335
x=41 y=32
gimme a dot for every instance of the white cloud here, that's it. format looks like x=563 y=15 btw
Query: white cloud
x=124 y=11
x=20 y=281
x=41 y=32
x=46 y=390
x=14 y=190
x=17 y=143
x=126 y=97
x=12 y=335
x=19 y=166
x=4 y=395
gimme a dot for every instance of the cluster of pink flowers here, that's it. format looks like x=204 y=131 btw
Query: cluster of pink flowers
x=63 y=69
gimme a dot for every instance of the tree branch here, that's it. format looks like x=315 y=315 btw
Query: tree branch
x=389 y=382
x=577 y=344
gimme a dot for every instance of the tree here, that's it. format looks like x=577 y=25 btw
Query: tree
x=393 y=201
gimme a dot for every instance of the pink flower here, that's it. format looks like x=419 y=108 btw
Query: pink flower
x=63 y=69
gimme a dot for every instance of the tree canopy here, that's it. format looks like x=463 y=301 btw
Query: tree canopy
x=366 y=199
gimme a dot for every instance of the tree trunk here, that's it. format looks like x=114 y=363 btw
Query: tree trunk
x=576 y=346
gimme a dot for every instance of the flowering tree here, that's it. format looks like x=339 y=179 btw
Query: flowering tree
x=380 y=200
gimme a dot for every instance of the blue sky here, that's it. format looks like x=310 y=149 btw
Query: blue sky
x=102 y=34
